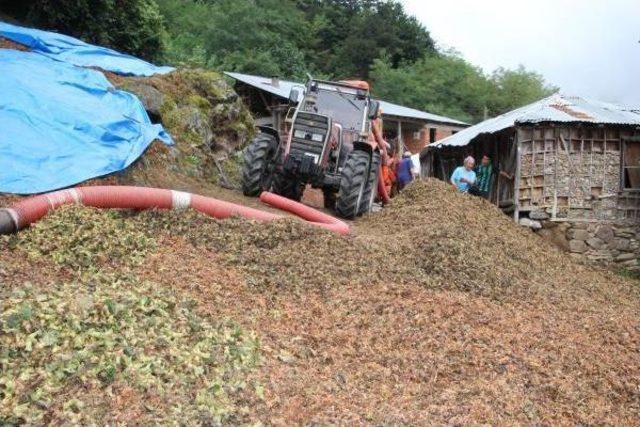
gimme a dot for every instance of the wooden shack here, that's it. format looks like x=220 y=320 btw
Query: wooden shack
x=577 y=167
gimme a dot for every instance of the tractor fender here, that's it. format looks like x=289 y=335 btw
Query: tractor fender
x=270 y=131
x=363 y=146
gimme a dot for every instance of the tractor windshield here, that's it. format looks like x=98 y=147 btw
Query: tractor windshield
x=343 y=107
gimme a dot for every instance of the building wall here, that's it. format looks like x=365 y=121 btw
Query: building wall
x=418 y=141
x=572 y=185
x=574 y=173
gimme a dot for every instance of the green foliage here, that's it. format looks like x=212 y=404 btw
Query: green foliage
x=63 y=345
x=333 y=38
x=447 y=84
x=85 y=239
x=517 y=87
x=133 y=26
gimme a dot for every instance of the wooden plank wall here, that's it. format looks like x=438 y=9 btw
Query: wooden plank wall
x=574 y=173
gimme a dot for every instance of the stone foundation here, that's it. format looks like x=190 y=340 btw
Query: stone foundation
x=610 y=244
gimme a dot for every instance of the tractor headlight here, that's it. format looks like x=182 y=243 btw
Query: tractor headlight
x=317 y=137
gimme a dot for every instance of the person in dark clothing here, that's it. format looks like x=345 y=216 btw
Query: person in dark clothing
x=404 y=171
x=485 y=172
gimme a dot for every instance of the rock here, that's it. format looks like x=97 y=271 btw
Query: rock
x=601 y=256
x=526 y=222
x=193 y=121
x=538 y=215
x=555 y=236
x=580 y=225
x=578 y=234
x=625 y=232
x=605 y=233
x=595 y=243
x=550 y=224
x=151 y=98
x=578 y=246
x=621 y=244
x=626 y=257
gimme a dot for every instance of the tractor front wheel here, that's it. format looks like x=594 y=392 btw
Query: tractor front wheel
x=371 y=188
x=355 y=175
x=260 y=159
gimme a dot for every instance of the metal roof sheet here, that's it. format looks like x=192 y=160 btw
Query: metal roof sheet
x=283 y=88
x=556 y=109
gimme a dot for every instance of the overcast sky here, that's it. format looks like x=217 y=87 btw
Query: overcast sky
x=586 y=47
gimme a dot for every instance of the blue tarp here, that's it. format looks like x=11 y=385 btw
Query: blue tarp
x=61 y=124
x=74 y=51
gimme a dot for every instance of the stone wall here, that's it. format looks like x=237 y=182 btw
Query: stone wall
x=610 y=244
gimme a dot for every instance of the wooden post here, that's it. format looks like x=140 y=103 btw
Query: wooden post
x=400 y=141
x=556 y=147
x=516 y=189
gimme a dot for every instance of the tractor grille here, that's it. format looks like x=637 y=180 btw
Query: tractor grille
x=302 y=143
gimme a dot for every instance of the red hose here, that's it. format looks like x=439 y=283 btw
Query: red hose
x=314 y=216
x=30 y=210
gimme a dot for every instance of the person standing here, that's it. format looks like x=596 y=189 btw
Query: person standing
x=463 y=178
x=404 y=171
x=485 y=173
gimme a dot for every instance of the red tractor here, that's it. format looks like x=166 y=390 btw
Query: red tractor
x=334 y=143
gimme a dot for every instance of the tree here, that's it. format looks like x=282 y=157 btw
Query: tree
x=518 y=87
x=357 y=32
x=253 y=36
x=447 y=84
x=133 y=26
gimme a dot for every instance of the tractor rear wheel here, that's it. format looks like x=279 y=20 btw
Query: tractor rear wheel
x=260 y=159
x=355 y=175
x=287 y=187
x=371 y=188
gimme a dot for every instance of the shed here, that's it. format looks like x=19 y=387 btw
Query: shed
x=267 y=98
x=574 y=160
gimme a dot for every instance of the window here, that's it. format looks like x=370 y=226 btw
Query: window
x=630 y=165
x=432 y=135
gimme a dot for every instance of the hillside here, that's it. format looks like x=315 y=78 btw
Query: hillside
x=436 y=310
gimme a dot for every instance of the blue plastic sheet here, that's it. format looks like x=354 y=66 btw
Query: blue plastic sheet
x=68 y=49
x=61 y=124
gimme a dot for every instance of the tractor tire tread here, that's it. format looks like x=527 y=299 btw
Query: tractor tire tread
x=255 y=157
x=355 y=171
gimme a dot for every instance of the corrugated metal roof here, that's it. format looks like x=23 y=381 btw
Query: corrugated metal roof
x=283 y=88
x=556 y=109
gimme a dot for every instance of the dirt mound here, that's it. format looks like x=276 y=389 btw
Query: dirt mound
x=464 y=243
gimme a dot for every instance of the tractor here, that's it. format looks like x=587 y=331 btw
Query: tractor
x=334 y=143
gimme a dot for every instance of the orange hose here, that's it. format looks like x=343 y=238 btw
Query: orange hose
x=314 y=216
x=30 y=210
